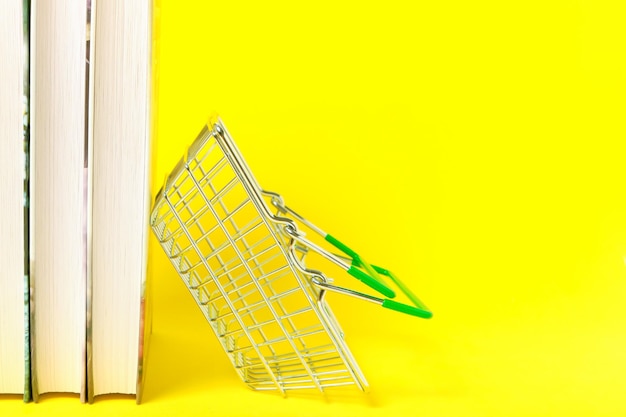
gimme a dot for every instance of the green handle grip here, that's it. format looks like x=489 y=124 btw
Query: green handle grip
x=370 y=277
x=342 y=247
x=369 y=270
x=419 y=305
x=407 y=309
x=371 y=282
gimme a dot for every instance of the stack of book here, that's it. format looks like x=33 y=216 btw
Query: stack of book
x=75 y=123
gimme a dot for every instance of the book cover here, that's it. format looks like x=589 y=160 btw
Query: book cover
x=26 y=133
x=87 y=191
x=145 y=325
x=14 y=137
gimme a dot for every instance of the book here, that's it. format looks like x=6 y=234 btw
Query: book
x=14 y=141
x=57 y=235
x=119 y=196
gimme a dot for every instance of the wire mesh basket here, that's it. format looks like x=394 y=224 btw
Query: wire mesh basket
x=241 y=252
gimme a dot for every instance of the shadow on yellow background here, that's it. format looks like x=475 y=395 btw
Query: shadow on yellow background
x=474 y=148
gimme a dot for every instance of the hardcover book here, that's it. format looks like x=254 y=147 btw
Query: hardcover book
x=119 y=195
x=14 y=143
x=57 y=196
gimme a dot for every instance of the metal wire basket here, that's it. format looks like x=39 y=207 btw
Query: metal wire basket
x=241 y=252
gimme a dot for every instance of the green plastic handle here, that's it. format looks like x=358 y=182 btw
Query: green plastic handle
x=419 y=305
x=345 y=249
x=407 y=309
x=369 y=277
x=371 y=282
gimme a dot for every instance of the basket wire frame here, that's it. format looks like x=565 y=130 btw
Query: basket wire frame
x=213 y=221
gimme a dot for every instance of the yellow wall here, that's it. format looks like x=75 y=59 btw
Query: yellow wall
x=475 y=148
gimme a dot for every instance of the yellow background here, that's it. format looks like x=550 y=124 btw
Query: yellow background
x=475 y=148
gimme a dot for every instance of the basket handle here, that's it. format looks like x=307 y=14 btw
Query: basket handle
x=372 y=279
x=370 y=276
x=358 y=268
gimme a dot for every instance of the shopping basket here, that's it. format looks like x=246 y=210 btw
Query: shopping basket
x=241 y=252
